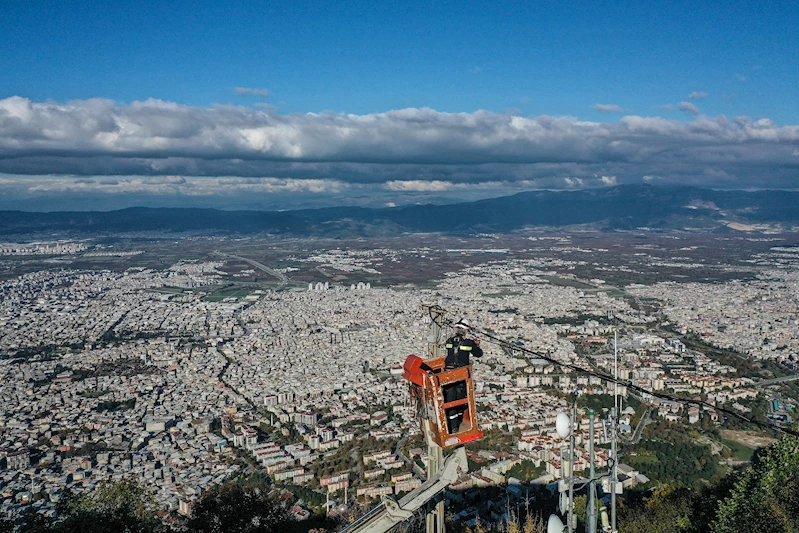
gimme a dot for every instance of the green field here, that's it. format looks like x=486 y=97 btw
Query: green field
x=616 y=293
x=739 y=451
x=231 y=292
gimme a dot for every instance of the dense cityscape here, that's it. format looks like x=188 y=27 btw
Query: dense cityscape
x=187 y=376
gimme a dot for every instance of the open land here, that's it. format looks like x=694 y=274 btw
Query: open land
x=747 y=438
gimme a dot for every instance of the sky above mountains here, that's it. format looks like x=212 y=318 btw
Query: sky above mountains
x=271 y=105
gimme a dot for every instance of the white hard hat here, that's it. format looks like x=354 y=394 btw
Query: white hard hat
x=463 y=324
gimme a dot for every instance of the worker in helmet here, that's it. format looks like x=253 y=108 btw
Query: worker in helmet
x=459 y=346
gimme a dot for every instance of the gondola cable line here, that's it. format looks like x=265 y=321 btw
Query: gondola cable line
x=625 y=383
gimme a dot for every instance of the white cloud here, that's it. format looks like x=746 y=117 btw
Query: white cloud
x=688 y=107
x=179 y=185
x=174 y=180
x=422 y=146
x=443 y=186
x=609 y=180
x=608 y=108
x=696 y=95
x=419 y=185
x=718 y=175
x=250 y=90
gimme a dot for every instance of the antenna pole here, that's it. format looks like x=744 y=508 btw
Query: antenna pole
x=615 y=369
x=571 y=465
x=614 y=428
x=591 y=513
x=526 y=504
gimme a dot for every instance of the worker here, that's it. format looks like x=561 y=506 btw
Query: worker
x=459 y=346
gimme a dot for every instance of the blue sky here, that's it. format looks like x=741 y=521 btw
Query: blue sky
x=688 y=66
x=556 y=58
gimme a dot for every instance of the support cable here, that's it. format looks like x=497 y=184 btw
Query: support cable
x=610 y=379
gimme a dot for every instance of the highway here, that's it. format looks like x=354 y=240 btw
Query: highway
x=767 y=382
x=639 y=429
x=282 y=277
x=398 y=451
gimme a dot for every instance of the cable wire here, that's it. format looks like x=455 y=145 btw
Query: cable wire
x=608 y=378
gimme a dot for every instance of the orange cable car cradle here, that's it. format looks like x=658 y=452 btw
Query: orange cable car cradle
x=447 y=397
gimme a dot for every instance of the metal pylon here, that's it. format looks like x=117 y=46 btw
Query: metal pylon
x=435 y=455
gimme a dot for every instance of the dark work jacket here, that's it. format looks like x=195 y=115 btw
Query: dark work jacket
x=458 y=350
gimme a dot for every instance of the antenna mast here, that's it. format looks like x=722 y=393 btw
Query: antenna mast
x=614 y=432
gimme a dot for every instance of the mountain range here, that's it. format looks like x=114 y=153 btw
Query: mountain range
x=624 y=207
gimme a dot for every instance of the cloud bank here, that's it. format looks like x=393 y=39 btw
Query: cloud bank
x=99 y=137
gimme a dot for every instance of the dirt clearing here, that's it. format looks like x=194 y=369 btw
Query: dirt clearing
x=747 y=438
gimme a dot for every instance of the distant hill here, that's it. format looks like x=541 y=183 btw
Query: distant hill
x=624 y=207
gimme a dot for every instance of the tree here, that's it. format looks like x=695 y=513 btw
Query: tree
x=525 y=470
x=534 y=524
x=478 y=528
x=240 y=508
x=766 y=496
x=510 y=525
x=122 y=507
x=668 y=510
x=6 y=526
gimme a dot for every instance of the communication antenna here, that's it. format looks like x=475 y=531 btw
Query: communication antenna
x=564 y=427
x=554 y=525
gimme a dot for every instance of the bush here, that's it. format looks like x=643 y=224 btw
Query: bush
x=243 y=509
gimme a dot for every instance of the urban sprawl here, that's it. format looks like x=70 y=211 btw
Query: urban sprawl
x=110 y=374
